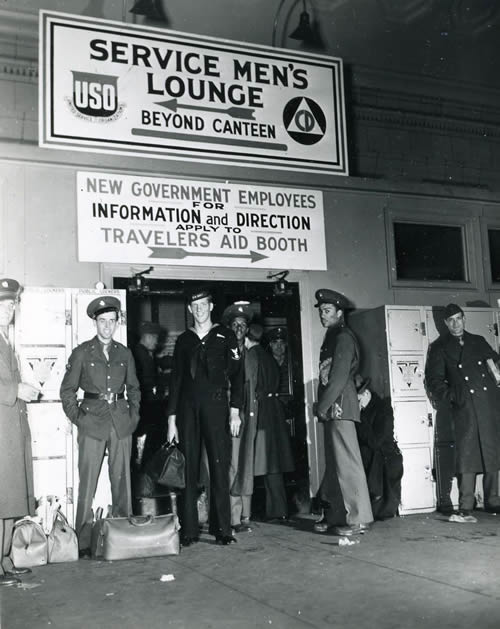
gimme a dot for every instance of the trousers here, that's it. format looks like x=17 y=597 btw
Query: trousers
x=6 y=530
x=241 y=506
x=90 y=457
x=467 y=485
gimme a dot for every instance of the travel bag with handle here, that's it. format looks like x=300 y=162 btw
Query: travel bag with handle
x=135 y=537
x=29 y=544
x=62 y=541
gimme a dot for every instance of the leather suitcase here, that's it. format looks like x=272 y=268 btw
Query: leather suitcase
x=136 y=537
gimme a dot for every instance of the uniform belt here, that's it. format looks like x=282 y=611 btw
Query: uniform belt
x=109 y=397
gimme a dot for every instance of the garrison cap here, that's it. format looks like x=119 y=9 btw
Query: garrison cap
x=199 y=292
x=105 y=303
x=327 y=296
x=149 y=327
x=275 y=334
x=9 y=289
x=238 y=309
x=452 y=309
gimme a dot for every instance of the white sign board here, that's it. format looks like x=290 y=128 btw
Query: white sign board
x=143 y=220
x=114 y=88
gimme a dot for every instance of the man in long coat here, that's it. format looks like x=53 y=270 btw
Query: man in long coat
x=16 y=466
x=265 y=448
x=457 y=375
x=338 y=408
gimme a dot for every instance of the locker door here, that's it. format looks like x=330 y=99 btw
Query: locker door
x=417 y=487
x=405 y=330
x=412 y=424
x=407 y=376
x=482 y=322
x=42 y=334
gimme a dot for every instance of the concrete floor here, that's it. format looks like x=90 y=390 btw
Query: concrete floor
x=414 y=571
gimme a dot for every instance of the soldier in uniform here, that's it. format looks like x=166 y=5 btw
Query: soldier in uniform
x=206 y=364
x=338 y=408
x=238 y=316
x=16 y=467
x=105 y=370
x=458 y=382
x=148 y=435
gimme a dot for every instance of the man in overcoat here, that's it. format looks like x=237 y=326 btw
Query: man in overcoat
x=206 y=394
x=265 y=442
x=16 y=466
x=106 y=418
x=457 y=375
x=338 y=409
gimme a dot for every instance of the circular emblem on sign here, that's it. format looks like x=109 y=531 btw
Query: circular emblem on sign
x=304 y=120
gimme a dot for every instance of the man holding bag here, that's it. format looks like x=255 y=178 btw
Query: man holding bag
x=16 y=469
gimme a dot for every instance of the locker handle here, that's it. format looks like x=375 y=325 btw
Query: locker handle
x=495 y=329
x=429 y=420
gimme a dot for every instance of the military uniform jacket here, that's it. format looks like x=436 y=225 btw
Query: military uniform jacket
x=16 y=465
x=457 y=375
x=217 y=355
x=89 y=370
x=338 y=363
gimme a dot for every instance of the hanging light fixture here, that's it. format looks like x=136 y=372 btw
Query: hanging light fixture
x=153 y=9
x=307 y=31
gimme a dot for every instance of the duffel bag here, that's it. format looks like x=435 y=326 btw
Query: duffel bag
x=136 y=536
x=62 y=541
x=29 y=544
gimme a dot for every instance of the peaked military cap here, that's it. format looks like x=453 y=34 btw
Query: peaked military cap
x=327 y=296
x=275 y=334
x=105 y=303
x=238 y=309
x=9 y=289
x=199 y=292
x=149 y=327
x=452 y=309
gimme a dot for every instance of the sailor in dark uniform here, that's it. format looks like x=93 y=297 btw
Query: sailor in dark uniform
x=206 y=365
x=104 y=369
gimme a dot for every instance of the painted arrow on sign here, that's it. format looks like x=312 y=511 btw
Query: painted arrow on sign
x=178 y=253
x=244 y=113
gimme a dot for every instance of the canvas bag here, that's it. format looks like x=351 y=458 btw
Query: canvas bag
x=62 y=543
x=29 y=544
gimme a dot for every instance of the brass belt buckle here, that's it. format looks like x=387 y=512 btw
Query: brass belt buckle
x=110 y=397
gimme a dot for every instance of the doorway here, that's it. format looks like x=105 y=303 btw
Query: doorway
x=162 y=301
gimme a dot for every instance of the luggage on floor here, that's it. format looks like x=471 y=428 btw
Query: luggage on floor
x=135 y=537
x=156 y=504
x=29 y=544
x=62 y=541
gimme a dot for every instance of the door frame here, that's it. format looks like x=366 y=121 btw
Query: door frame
x=109 y=271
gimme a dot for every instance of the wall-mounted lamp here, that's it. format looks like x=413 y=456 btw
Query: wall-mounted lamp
x=152 y=9
x=307 y=31
x=281 y=286
x=138 y=283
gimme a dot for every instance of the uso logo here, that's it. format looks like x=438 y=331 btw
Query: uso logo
x=95 y=94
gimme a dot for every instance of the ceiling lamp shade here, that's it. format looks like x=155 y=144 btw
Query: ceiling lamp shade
x=304 y=31
x=152 y=9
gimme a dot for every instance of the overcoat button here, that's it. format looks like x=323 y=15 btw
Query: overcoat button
x=466 y=377
x=472 y=390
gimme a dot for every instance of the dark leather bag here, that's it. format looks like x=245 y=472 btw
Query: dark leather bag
x=167 y=467
x=136 y=537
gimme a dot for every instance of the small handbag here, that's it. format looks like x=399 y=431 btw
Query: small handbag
x=136 y=537
x=167 y=467
x=29 y=544
x=62 y=542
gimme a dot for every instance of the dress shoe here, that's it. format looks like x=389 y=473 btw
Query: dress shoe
x=15 y=572
x=188 y=541
x=84 y=553
x=224 y=540
x=242 y=528
x=462 y=517
x=351 y=529
x=492 y=509
x=6 y=579
x=279 y=520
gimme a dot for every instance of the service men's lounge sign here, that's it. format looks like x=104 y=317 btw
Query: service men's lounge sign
x=123 y=218
x=114 y=88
